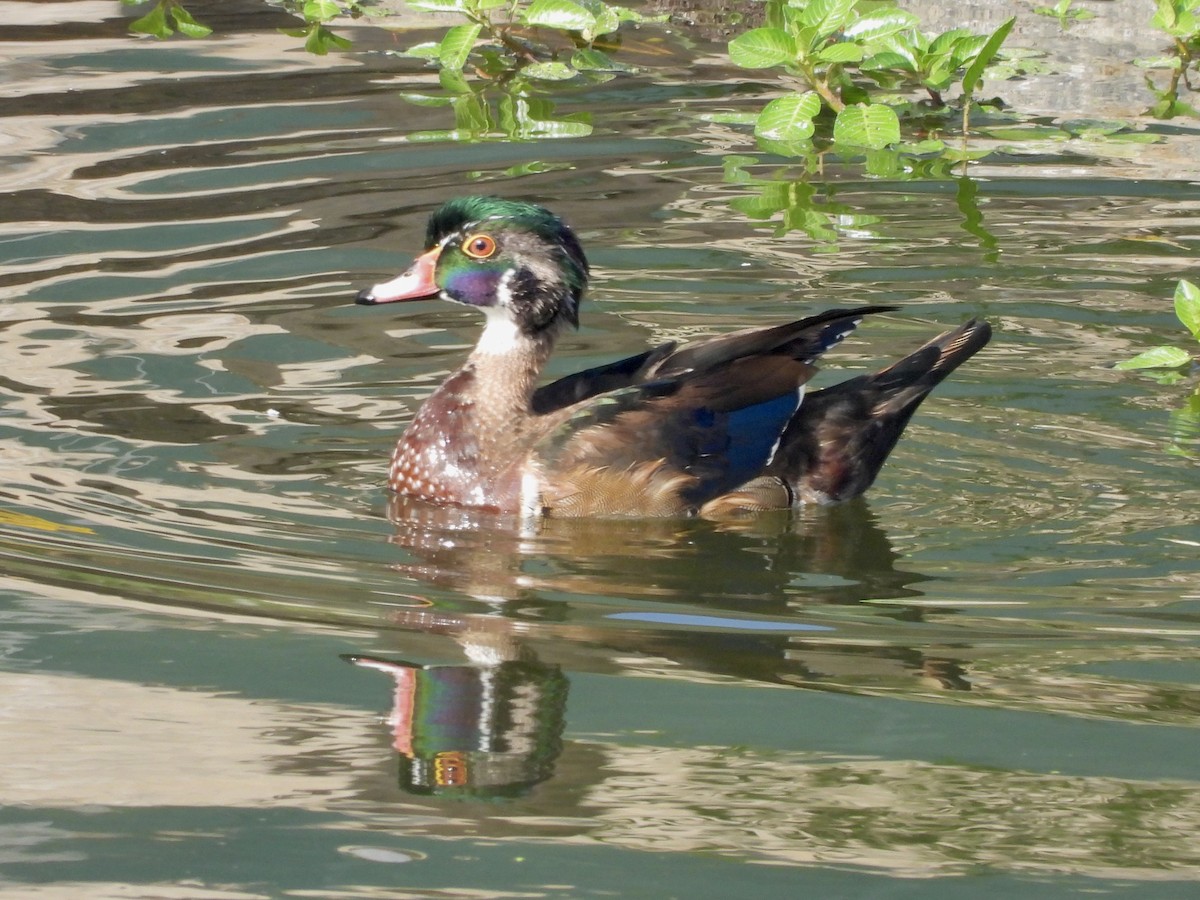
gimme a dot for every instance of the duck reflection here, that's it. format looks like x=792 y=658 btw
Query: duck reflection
x=492 y=726
x=836 y=554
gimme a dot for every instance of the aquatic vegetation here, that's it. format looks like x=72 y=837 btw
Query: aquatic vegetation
x=166 y=18
x=1180 y=20
x=1065 y=12
x=550 y=40
x=1167 y=365
x=1187 y=310
x=851 y=57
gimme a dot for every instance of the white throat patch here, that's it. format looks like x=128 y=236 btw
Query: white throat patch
x=501 y=334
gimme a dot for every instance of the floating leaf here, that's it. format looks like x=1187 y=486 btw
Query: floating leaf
x=457 y=45
x=24 y=520
x=761 y=48
x=1187 y=306
x=549 y=71
x=788 y=118
x=871 y=127
x=1158 y=358
x=1094 y=126
x=1026 y=133
x=559 y=14
x=921 y=148
x=1159 y=62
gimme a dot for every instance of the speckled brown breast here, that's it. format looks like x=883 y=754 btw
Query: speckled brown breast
x=450 y=453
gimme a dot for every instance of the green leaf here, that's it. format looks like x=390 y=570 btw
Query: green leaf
x=187 y=25
x=1159 y=62
x=985 y=55
x=1094 y=127
x=321 y=10
x=549 y=71
x=453 y=82
x=788 y=118
x=879 y=23
x=607 y=21
x=827 y=16
x=1165 y=16
x=840 y=53
x=871 y=127
x=965 y=49
x=1187 y=306
x=457 y=44
x=761 y=48
x=945 y=41
x=888 y=59
x=153 y=22
x=1158 y=358
x=923 y=147
x=559 y=14
x=424 y=50
x=1025 y=133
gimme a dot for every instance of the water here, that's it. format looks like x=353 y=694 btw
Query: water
x=988 y=668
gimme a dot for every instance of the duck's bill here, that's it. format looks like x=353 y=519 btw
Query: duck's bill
x=415 y=284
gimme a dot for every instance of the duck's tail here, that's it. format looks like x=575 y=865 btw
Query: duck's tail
x=837 y=442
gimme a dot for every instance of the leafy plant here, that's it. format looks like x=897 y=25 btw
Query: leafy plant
x=1180 y=19
x=1065 y=12
x=318 y=38
x=169 y=16
x=837 y=49
x=1166 y=363
x=512 y=110
x=498 y=38
x=166 y=18
x=1187 y=309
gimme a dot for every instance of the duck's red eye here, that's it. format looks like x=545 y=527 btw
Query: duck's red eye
x=479 y=246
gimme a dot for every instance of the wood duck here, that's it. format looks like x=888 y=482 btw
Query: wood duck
x=712 y=428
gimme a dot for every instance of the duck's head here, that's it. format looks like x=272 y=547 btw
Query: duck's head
x=506 y=257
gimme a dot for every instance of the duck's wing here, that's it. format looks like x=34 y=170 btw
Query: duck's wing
x=838 y=441
x=704 y=420
x=803 y=340
x=581 y=386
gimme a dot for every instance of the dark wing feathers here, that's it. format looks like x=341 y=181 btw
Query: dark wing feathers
x=838 y=441
x=712 y=412
x=804 y=340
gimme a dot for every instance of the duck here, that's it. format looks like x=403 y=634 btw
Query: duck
x=723 y=426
